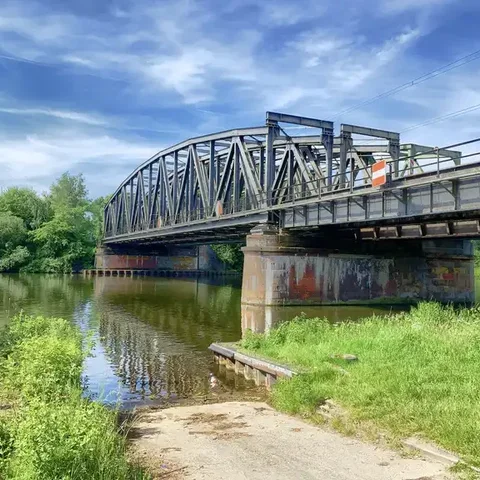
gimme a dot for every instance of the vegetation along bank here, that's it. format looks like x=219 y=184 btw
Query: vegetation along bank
x=58 y=231
x=55 y=232
x=416 y=373
x=48 y=429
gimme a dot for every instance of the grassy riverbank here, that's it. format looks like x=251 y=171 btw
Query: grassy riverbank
x=48 y=430
x=417 y=373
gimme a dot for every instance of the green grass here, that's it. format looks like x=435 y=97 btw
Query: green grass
x=417 y=373
x=52 y=431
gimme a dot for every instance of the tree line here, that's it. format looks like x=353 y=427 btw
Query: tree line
x=54 y=232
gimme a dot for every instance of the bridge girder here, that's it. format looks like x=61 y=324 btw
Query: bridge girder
x=247 y=170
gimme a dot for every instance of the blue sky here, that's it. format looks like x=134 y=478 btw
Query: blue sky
x=99 y=86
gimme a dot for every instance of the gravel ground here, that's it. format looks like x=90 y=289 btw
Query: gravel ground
x=250 y=441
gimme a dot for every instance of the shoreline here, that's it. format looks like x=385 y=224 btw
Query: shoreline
x=368 y=377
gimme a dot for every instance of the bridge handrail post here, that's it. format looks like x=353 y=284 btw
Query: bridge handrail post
x=352 y=167
x=327 y=141
x=270 y=160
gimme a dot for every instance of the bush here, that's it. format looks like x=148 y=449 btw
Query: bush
x=44 y=367
x=54 y=432
x=6 y=446
x=14 y=259
x=74 y=439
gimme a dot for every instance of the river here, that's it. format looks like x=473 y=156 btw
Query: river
x=151 y=334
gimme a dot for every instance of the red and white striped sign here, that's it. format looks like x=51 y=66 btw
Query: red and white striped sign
x=379 y=173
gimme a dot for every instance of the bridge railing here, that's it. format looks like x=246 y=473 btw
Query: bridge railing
x=356 y=178
x=435 y=161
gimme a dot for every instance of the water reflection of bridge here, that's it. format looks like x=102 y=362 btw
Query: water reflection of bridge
x=156 y=332
x=148 y=361
x=153 y=333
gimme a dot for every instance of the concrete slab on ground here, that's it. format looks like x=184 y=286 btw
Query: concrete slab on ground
x=251 y=441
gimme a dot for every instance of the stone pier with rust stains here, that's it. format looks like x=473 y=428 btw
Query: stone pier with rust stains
x=159 y=259
x=285 y=269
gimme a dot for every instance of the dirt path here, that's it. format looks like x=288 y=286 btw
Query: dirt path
x=250 y=441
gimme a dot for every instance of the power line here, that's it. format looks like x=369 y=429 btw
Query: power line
x=441 y=118
x=427 y=76
x=431 y=121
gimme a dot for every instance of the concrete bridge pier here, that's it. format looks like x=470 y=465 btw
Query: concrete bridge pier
x=283 y=269
x=171 y=258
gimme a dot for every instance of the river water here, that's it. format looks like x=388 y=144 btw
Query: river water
x=151 y=334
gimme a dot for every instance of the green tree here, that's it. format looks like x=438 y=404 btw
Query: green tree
x=12 y=234
x=13 y=260
x=68 y=192
x=230 y=254
x=25 y=204
x=12 y=231
x=96 y=208
x=57 y=232
x=67 y=241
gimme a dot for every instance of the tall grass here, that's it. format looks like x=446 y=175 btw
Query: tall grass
x=52 y=431
x=417 y=373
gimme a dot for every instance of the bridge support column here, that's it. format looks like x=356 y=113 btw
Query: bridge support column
x=280 y=270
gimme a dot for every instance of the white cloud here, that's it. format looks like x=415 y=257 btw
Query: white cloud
x=176 y=56
x=60 y=114
x=104 y=122
x=358 y=66
x=392 y=7
x=291 y=13
x=320 y=49
x=278 y=13
x=188 y=57
x=51 y=31
x=184 y=74
x=83 y=62
x=31 y=159
x=326 y=69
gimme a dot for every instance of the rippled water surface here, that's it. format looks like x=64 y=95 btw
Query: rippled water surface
x=152 y=335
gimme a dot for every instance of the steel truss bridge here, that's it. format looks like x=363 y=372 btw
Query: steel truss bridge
x=215 y=188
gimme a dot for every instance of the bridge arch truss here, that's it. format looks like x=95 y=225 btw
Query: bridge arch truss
x=242 y=176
